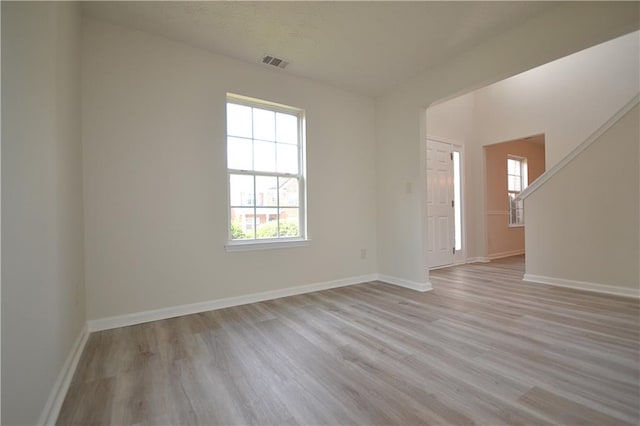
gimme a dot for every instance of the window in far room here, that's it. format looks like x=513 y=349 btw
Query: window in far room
x=265 y=169
x=516 y=183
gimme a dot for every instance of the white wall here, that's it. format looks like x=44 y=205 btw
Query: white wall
x=453 y=120
x=566 y=100
x=586 y=216
x=400 y=116
x=155 y=178
x=43 y=303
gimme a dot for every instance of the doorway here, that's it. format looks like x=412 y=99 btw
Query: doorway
x=509 y=167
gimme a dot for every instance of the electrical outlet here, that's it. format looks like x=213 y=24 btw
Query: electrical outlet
x=363 y=253
x=409 y=188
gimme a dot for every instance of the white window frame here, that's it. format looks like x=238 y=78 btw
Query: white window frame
x=278 y=242
x=524 y=180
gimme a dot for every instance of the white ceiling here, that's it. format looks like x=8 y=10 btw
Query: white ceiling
x=365 y=47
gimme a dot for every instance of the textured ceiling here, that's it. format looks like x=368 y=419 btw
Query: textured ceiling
x=365 y=47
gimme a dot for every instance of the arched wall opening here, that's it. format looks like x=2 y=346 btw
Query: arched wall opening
x=553 y=107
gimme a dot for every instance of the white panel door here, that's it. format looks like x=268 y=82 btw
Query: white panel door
x=440 y=211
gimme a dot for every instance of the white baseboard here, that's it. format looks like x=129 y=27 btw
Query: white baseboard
x=583 y=285
x=435 y=268
x=478 y=259
x=505 y=254
x=194 y=308
x=413 y=285
x=49 y=415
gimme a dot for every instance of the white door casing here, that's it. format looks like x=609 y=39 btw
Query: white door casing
x=440 y=211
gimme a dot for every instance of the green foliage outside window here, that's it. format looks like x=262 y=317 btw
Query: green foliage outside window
x=269 y=230
x=266 y=230
x=236 y=232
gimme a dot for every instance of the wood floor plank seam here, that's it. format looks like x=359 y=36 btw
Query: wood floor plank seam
x=481 y=348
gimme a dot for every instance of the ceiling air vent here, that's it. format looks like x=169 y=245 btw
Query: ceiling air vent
x=276 y=62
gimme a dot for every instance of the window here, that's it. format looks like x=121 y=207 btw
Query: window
x=265 y=168
x=457 y=201
x=516 y=182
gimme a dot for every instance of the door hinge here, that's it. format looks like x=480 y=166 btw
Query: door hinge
x=451 y=155
x=454 y=249
x=452 y=203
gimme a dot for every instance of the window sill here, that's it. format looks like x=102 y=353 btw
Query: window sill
x=234 y=246
x=516 y=226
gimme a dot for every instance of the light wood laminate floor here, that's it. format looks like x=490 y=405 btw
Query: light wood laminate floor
x=482 y=348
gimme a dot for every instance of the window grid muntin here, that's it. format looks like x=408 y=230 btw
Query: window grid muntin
x=516 y=213
x=301 y=207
